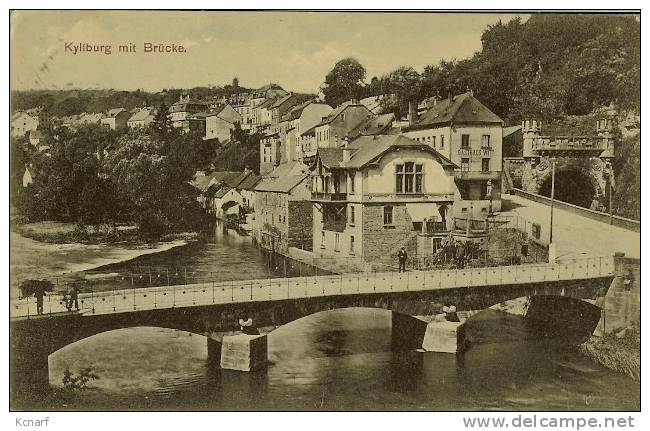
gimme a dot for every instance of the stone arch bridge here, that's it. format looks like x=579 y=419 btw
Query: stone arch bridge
x=557 y=291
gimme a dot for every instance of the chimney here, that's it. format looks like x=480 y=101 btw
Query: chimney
x=346 y=150
x=413 y=113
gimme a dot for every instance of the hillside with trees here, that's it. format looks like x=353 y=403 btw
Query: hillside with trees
x=549 y=68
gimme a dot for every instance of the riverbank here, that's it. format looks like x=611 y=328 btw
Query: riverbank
x=620 y=351
x=36 y=260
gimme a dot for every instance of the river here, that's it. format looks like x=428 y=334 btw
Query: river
x=334 y=360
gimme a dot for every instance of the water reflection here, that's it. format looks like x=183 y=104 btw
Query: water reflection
x=341 y=360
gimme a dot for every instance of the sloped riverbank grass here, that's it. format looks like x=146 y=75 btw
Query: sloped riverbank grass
x=617 y=351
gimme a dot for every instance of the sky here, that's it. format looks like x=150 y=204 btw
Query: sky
x=293 y=49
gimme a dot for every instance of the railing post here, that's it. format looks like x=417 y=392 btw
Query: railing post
x=113 y=300
x=27 y=302
x=252 y=288
x=92 y=299
x=49 y=303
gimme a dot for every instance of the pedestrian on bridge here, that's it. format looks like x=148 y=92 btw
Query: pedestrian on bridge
x=402 y=256
x=74 y=297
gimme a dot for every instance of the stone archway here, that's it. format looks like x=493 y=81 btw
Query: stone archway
x=571 y=186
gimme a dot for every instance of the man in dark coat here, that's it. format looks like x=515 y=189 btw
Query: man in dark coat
x=402 y=256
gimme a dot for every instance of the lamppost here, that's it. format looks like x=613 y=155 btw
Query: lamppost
x=552 y=251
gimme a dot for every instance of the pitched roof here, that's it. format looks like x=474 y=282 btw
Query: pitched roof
x=267 y=103
x=293 y=167
x=281 y=184
x=339 y=109
x=368 y=149
x=373 y=126
x=281 y=100
x=249 y=182
x=461 y=109
x=296 y=111
x=142 y=114
x=373 y=103
x=112 y=113
x=507 y=131
x=208 y=113
x=222 y=191
x=330 y=157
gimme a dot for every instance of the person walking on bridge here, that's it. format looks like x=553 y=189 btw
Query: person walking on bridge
x=74 y=297
x=401 y=257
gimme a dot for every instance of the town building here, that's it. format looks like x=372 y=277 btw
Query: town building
x=22 y=123
x=221 y=192
x=215 y=123
x=283 y=213
x=377 y=194
x=465 y=131
x=281 y=106
x=332 y=130
x=142 y=118
x=180 y=111
x=116 y=118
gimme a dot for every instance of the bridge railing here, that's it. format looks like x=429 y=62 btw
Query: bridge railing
x=275 y=289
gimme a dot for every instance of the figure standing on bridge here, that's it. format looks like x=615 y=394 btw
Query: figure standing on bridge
x=74 y=297
x=402 y=256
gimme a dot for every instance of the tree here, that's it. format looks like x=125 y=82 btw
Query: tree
x=162 y=124
x=153 y=176
x=235 y=82
x=405 y=85
x=344 y=82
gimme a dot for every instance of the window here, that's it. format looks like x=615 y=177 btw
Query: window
x=351 y=182
x=388 y=215
x=351 y=244
x=464 y=164
x=485 y=165
x=352 y=215
x=485 y=141
x=336 y=242
x=322 y=239
x=433 y=141
x=417 y=226
x=437 y=245
x=408 y=178
x=464 y=141
x=442 y=141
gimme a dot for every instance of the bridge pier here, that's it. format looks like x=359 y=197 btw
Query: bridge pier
x=214 y=351
x=411 y=332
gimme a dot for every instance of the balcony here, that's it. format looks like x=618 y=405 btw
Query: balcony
x=329 y=197
x=477 y=175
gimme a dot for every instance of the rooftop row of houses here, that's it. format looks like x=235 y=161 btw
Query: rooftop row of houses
x=361 y=185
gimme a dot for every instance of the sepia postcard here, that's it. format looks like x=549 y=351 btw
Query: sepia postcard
x=326 y=211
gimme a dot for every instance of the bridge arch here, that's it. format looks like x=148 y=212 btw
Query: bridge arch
x=555 y=314
x=573 y=185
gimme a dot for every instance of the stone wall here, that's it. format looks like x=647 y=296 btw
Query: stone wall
x=382 y=243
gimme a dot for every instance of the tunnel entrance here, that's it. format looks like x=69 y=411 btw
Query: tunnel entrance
x=573 y=187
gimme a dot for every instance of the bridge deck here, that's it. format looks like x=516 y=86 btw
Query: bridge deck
x=276 y=289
